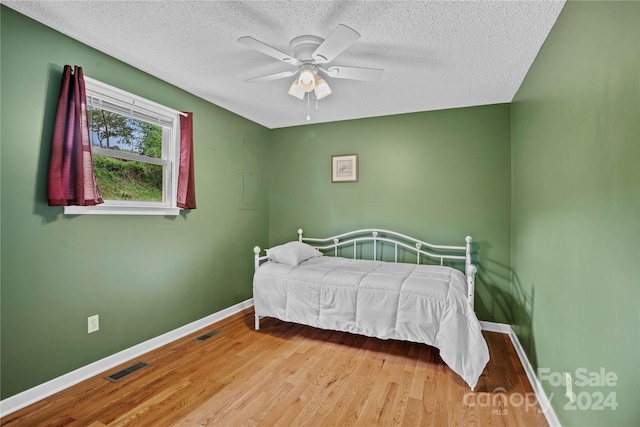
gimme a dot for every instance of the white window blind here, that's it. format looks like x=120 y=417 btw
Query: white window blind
x=104 y=102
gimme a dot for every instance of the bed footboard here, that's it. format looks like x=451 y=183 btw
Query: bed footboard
x=471 y=283
x=258 y=260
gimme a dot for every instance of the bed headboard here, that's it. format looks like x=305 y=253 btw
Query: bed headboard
x=380 y=237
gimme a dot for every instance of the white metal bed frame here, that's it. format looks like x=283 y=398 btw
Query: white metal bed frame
x=391 y=237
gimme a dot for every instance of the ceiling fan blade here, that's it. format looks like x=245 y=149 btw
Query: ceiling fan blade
x=267 y=50
x=270 y=77
x=355 y=73
x=340 y=39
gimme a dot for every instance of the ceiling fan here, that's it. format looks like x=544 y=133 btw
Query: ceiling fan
x=311 y=54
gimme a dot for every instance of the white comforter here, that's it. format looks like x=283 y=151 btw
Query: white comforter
x=418 y=303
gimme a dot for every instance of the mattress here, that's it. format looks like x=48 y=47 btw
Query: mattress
x=418 y=303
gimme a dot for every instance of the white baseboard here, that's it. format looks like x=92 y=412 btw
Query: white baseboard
x=501 y=328
x=28 y=397
x=543 y=400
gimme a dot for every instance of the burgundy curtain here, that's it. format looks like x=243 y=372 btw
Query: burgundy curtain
x=71 y=177
x=186 y=181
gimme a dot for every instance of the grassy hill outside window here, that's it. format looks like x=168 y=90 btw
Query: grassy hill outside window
x=140 y=153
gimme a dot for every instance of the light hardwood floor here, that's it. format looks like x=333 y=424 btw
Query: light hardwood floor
x=293 y=375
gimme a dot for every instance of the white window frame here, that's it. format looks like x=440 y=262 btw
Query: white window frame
x=169 y=119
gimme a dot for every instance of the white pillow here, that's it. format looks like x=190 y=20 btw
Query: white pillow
x=292 y=253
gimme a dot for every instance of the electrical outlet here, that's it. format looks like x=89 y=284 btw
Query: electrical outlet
x=93 y=323
x=568 y=383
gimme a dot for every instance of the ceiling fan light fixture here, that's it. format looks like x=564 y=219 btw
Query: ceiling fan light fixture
x=322 y=89
x=297 y=90
x=307 y=80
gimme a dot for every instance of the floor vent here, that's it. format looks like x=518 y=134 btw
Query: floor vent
x=126 y=372
x=208 y=335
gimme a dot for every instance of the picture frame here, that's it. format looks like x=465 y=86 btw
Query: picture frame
x=344 y=168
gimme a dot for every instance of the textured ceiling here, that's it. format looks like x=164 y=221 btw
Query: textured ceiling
x=436 y=54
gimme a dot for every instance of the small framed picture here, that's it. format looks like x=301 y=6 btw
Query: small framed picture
x=344 y=168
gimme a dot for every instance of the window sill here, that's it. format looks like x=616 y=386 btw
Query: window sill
x=121 y=210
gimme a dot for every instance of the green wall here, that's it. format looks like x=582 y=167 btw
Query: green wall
x=144 y=275
x=575 y=247
x=436 y=175
x=548 y=186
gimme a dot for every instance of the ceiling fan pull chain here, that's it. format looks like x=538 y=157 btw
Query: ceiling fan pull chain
x=308 y=116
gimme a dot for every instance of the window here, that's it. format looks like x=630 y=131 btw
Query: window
x=136 y=152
